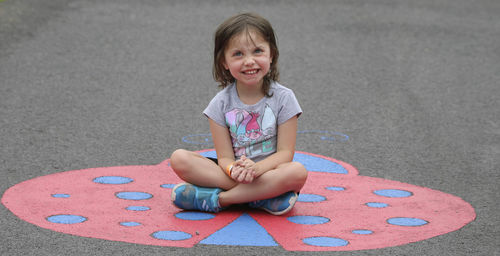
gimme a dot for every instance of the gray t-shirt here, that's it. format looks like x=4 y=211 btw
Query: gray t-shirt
x=253 y=128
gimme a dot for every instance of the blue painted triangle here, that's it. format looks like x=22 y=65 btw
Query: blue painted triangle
x=244 y=231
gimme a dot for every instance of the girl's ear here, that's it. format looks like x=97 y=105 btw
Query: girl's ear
x=225 y=65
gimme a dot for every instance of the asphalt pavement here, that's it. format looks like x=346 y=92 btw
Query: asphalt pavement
x=413 y=84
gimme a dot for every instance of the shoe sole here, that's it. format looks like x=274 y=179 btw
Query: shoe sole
x=292 y=202
x=174 y=195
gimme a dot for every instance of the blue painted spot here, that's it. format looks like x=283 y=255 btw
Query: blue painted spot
x=376 y=205
x=133 y=195
x=310 y=198
x=308 y=220
x=66 y=219
x=194 y=216
x=318 y=164
x=243 y=231
x=171 y=235
x=113 y=180
x=60 y=195
x=393 y=193
x=325 y=241
x=407 y=222
x=138 y=208
x=362 y=232
x=199 y=139
x=210 y=153
x=130 y=224
x=335 y=188
x=167 y=185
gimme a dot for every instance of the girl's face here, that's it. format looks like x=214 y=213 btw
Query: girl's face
x=248 y=58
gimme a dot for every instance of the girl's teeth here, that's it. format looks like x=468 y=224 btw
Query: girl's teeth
x=251 y=72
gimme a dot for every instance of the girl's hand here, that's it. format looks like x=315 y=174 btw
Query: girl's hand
x=242 y=175
x=243 y=171
x=247 y=162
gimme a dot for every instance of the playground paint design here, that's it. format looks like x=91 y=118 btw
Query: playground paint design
x=337 y=210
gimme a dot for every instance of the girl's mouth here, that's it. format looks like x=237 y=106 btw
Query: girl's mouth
x=250 y=72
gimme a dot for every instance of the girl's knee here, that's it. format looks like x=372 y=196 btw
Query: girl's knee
x=179 y=159
x=296 y=176
x=299 y=172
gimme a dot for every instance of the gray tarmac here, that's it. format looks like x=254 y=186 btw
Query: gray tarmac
x=414 y=84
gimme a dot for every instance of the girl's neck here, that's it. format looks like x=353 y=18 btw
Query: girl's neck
x=249 y=95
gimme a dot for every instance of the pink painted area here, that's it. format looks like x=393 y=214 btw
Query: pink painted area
x=32 y=201
x=347 y=212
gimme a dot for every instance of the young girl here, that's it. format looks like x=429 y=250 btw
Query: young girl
x=253 y=122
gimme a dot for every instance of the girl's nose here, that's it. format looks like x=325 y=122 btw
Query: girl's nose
x=249 y=61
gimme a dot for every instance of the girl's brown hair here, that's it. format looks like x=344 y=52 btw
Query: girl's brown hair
x=233 y=26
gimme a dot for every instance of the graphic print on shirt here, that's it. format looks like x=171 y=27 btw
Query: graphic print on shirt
x=251 y=132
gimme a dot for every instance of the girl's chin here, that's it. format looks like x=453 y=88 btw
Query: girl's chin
x=250 y=83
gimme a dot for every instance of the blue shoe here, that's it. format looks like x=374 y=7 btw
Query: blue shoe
x=278 y=205
x=190 y=197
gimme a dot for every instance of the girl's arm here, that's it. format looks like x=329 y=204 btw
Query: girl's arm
x=222 y=143
x=287 y=134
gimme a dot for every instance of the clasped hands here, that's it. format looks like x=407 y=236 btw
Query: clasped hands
x=244 y=170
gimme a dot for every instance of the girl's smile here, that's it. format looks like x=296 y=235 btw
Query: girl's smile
x=248 y=58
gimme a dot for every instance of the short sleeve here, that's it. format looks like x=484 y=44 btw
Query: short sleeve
x=214 y=110
x=289 y=107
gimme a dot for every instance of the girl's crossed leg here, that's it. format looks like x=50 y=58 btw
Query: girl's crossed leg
x=201 y=171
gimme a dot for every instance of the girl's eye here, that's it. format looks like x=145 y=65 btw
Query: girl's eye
x=236 y=54
x=258 y=50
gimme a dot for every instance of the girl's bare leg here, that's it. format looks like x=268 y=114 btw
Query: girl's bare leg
x=198 y=170
x=287 y=177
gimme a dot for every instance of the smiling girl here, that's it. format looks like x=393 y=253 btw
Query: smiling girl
x=253 y=122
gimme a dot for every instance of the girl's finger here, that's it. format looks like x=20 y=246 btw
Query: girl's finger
x=249 y=177
x=243 y=176
x=238 y=162
x=236 y=172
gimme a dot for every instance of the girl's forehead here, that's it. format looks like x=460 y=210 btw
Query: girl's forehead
x=245 y=38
